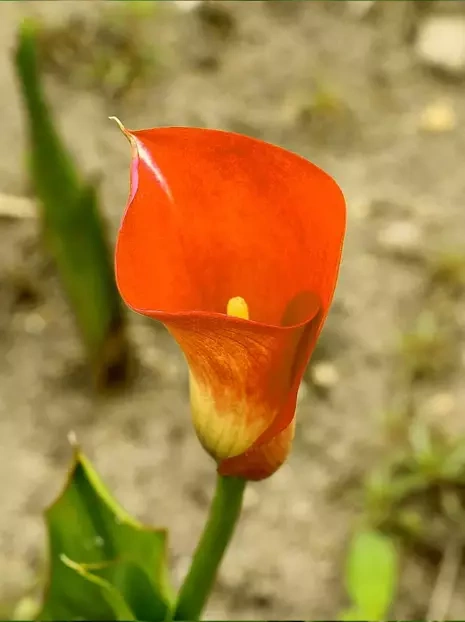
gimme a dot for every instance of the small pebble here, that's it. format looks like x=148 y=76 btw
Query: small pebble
x=400 y=237
x=360 y=210
x=34 y=323
x=441 y=44
x=438 y=118
x=301 y=509
x=324 y=375
x=187 y=5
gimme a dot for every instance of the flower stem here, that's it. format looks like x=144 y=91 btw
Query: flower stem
x=224 y=514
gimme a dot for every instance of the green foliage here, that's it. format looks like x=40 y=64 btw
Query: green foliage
x=104 y=565
x=107 y=53
x=447 y=271
x=417 y=494
x=428 y=460
x=428 y=350
x=371 y=576
x=73 y=228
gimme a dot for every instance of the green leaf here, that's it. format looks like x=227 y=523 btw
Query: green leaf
x=371 y=574
x=350 y=615
x=108 y=593
x=72 y=225
x=103 y=564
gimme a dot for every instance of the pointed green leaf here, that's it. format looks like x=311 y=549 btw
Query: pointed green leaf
x=82 y=255
x=73 y=228
x=103 y=563
x=134 y=591
x=371 y=574
x=108 y=593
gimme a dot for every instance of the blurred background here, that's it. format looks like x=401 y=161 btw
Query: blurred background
x=374 y=93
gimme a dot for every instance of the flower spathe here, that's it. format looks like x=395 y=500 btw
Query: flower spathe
x=234 y=244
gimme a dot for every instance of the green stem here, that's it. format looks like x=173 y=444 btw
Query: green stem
x=224 y=513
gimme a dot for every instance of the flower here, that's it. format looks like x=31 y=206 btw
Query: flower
x=234 y=245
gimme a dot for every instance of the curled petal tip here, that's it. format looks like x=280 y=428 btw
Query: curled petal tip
x=118 y=122
x=121 y=127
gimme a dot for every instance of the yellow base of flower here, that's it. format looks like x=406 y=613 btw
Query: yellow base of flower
x=227 y=433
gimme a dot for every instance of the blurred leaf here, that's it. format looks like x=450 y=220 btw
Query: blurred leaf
x=447 y=271
x=350 y=615
x=453 y=466
x=109 y=593
x=371 y=574
x=429 y=349
x=104 y=565
x=73 y=227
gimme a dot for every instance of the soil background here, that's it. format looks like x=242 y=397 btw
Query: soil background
x=344 y=88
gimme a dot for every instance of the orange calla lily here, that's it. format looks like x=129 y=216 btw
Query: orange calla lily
x=234 y=245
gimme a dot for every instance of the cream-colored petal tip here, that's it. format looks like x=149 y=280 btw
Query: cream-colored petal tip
x=119 y=124
x=126 y=132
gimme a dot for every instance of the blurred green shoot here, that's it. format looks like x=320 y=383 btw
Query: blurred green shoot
x=428 y=349
x=109 y=54
x=73 y=229
x=371 y=576
x=417 y=493
x=447 y=271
